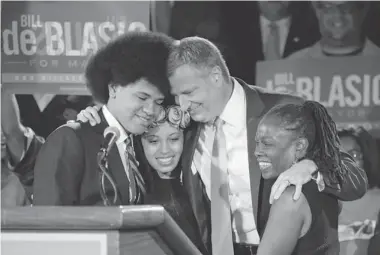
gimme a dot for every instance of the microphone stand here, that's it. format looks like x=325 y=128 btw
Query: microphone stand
x=102 y=157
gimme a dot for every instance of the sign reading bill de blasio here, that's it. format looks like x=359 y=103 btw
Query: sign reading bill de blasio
x=46 y=45
x=348 y=87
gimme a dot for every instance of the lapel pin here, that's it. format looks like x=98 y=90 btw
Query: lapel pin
x=296 y=39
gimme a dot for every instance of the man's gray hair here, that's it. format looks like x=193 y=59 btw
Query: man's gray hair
x=197 y=52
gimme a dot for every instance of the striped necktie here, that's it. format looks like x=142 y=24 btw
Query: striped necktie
x=136 y=181
x=221 y=230
x=272 y=49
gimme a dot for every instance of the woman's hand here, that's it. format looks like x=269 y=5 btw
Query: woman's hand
x=90 y=114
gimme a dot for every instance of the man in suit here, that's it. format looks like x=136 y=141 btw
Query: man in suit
x=220 y=171
x=342 y=28
x=253 y=31
x=128 y=77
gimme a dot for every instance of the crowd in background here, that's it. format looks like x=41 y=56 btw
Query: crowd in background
x=244 y=31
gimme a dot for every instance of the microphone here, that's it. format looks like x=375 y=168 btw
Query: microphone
x=111 y=134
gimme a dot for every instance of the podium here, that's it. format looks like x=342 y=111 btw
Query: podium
x=63 y=230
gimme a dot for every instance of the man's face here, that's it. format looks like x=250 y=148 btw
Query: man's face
x=274 y=10
x=338 y=21
x=195 y=91
x=136 y=105
x=275 y=148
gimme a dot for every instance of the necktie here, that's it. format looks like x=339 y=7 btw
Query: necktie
x=136 y=181
x=161 y=12
x=272 y=49
x=221 y=231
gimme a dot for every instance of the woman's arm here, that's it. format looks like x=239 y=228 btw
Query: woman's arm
x=287 y=221
x=12 y=128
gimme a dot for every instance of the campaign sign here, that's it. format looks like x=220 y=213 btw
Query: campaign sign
x=46 y=45
x=348 y=87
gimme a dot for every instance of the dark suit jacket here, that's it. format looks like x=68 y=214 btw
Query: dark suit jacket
x=66 y=170
x=259 y=101
x=240 y=34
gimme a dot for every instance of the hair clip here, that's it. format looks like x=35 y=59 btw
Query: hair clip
x=174 y=115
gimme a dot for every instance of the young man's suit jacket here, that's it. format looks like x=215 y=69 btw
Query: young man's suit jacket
x=66 y=170
x=259 y=101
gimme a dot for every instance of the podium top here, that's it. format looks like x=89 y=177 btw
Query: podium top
x=126 y=218
x=80 y=218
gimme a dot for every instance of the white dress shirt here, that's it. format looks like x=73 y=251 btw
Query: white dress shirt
x=120 y=143
x=235 y=130
x=283 y=26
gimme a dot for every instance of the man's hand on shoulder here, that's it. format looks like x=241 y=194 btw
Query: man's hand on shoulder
x=298 y=174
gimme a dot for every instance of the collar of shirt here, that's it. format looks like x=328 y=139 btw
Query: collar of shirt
x=114 y=123
x=284 y=22
x=234 y=113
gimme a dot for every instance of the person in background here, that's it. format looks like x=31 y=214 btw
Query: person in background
x=46 y=112
x=342 y=33
x=255 y=31
x=358 y=218
x=128 y=77
x=180 y=19
x=286 y=134
x=19 y=149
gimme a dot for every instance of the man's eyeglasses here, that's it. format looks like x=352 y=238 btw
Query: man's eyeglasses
x=357 y=155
